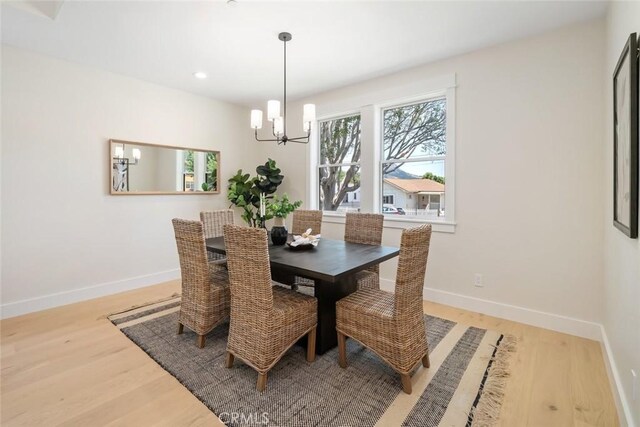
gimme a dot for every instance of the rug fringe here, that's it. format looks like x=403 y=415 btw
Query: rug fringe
x=135 y=307
x=487 y=412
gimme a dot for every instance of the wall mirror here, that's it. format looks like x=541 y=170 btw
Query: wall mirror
x=141 y=168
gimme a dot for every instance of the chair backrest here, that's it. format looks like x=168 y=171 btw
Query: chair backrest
x=364 y=228
x=214 y=221
x=305 y=219
x=249 y=274
x=192 y=252
x=412 y=266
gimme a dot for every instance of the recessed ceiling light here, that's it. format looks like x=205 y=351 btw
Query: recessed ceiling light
x=200 y=75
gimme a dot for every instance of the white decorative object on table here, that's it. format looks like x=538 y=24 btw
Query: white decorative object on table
x=305 y=239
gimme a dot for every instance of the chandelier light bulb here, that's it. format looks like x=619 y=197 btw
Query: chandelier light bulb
x=256 y=119
x=308 y=116
x=273 y=109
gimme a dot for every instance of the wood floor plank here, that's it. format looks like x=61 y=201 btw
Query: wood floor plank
x=70 y=366
x=588 y=391
x=551 y=406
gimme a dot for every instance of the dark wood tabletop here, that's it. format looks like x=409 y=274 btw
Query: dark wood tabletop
x=330 y=261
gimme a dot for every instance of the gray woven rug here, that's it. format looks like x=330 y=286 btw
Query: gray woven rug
x=463 y=386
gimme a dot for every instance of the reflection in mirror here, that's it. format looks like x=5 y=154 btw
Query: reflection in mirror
x=139 y=168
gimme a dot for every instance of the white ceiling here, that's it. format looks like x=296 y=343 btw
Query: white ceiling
x=334 y=43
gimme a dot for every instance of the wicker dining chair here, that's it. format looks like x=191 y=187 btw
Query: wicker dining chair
x=366 y=229
x=391 y=325
x=265 y=320
x=213 y=222
x=205 y=288
x=305 y=219
x=301 y=222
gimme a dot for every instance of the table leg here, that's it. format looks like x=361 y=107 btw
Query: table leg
x=328 y=294
x=283 y=277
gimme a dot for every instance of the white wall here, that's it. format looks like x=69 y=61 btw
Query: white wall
x=621 y=318
x=529 y=132
x=61 y=230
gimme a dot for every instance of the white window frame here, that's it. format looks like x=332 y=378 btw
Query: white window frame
x=408 y=222
x=369 y=105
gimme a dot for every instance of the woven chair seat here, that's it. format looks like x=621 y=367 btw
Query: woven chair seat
x=295 y=311
x=306 y=290
x=217 y=265
x=367 y=302
x=215 y=257
x=303 y=281
x=368 y=279
x=219 y=276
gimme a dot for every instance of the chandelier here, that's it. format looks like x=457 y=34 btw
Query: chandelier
x=279 y=122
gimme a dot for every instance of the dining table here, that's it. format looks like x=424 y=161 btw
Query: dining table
x=332 y=265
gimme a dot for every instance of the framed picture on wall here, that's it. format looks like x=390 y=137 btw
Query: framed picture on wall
x=625 y=140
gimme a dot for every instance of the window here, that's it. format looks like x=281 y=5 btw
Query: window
x=414 y=148
x=395 y=157
x=339 y=164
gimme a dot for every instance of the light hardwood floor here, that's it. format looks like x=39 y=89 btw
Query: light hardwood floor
x=70 y=366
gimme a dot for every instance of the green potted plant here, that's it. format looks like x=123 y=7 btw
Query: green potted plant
x=279 y=209
x=247 y=192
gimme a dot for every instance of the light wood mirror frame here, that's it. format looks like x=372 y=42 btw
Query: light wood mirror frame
x=126 y=157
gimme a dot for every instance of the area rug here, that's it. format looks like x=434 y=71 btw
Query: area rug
x=463 y=387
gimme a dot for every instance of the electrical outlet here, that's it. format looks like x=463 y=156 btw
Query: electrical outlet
x=478 y=280
x=634 y=385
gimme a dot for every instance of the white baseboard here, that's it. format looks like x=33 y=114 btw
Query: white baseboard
x=30 y=305
x=622 y=403
x=541 y=319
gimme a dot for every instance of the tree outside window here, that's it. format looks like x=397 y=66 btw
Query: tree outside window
x=414 y=145
x=339 y=167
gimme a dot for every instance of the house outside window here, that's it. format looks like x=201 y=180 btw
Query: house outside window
x=339 y=164
x=414 y=148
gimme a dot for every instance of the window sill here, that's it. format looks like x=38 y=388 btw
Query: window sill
x=397 y=223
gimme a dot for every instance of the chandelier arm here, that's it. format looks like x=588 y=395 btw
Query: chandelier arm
x=300 y=139
x=265 y=140
x=269 y=140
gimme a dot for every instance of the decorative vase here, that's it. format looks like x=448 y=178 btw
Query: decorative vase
x=279 y=232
